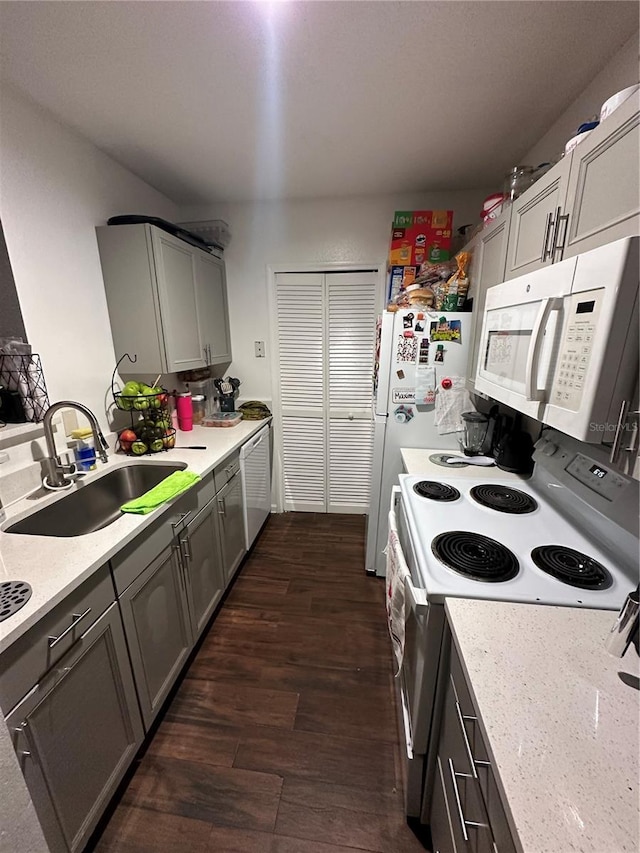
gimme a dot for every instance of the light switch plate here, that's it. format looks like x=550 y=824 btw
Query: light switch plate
x=259 y=349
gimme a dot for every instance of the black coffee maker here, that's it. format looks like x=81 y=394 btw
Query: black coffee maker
x=227 y=393
x=514 y=451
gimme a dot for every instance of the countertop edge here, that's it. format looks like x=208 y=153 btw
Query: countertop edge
x=141 y=523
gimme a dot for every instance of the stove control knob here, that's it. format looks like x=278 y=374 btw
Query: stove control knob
x=549 y=449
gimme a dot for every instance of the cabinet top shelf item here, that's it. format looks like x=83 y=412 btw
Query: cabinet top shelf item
x=561 y=725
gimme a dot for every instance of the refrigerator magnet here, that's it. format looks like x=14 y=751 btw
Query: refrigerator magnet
x=407 y=321
x=403 y=395
x=446 y=330
x=403 y=414
x=407 y=349
x=439 y=356
x=423 y=353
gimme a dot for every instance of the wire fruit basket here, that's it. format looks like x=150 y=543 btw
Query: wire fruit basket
x=148 y=406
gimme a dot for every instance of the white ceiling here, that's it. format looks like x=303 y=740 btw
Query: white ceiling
x=241 y=100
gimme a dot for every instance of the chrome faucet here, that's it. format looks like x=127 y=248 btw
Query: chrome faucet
x=58 y=473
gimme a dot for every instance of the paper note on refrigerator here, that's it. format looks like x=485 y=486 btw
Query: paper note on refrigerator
x=425 y=385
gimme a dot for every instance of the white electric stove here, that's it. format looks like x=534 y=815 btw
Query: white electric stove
x=567 y=536
x=475 y=538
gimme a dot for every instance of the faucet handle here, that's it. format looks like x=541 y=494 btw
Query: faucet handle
x=625 y=628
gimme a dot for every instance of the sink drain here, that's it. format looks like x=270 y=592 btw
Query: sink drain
x=13 y=596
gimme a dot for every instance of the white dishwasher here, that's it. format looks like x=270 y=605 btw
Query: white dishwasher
x=255 y=466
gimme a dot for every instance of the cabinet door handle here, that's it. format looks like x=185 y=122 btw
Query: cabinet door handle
x=186 y=550
x=77 y=617
x=454 y=782
x=545 y=240
x=464 y=823
x=560 y=247
x=222 y=509
x=461 y=719
x=181 y=518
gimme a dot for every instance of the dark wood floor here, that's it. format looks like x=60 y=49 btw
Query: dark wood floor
x=282 y=737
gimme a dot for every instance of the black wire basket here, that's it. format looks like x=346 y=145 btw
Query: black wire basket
x=150 y=429
x=23 y=392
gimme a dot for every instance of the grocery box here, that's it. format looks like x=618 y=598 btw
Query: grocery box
x=420 y=236
x=399 y=278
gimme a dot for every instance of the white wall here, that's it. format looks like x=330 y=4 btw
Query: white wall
x=349 y=231
x=621 y=71
x=55 y=187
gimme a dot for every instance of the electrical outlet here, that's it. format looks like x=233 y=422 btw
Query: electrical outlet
x=259 y=349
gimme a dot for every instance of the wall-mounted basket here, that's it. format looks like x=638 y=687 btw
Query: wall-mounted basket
x=23 y=392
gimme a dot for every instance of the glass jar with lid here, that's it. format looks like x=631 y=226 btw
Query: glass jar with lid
x=516 y=181
x=199 y=408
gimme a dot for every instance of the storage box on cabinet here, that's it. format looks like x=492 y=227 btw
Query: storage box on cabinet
x=70 y=774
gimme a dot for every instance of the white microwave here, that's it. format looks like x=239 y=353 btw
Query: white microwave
x=561 y=344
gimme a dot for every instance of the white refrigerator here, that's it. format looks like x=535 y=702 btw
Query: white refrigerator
x=398 y=421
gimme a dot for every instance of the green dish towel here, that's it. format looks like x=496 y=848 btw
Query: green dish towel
x=171 y=486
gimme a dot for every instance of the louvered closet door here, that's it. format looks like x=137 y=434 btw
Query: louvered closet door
x=326 y=331
x=351 y=315
x=301 y=356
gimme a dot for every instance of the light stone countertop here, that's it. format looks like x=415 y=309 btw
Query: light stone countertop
x=562 y=727
x=416 y=461
x=55 y=566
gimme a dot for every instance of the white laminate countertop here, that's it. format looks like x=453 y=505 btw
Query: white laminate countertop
x=55 y=566
x=562 y=727
x=416 y=461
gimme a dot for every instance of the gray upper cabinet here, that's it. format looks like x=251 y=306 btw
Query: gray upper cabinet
x=586 y=200
x=488 y=261
x=77 y=731
x=213 y=314
x=167 y=299
x=533 y=222
x=603 y=203
x=156 y=621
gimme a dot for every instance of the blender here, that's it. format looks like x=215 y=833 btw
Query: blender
x=475 y=426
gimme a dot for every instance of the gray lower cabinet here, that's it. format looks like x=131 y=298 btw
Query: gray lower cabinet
x=156 y=620
x=465 y=813
x=77 y=731
x=202 y=564
x=231 y=519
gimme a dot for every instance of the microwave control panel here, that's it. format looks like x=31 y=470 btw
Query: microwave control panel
x=572 y=366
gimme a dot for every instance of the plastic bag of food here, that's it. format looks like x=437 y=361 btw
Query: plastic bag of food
x=455 y=290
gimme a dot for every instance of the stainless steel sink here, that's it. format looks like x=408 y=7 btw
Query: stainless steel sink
x=96 y=503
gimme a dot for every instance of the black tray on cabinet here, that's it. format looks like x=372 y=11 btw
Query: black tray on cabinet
x=169 y=227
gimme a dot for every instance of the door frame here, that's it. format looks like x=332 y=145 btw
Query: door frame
x=277 y=492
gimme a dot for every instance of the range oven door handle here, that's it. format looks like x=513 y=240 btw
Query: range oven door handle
x=531 y=390
x=415 y=597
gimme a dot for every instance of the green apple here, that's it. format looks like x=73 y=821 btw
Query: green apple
x=156 y=445
x=138 y=447
x=141 y=403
